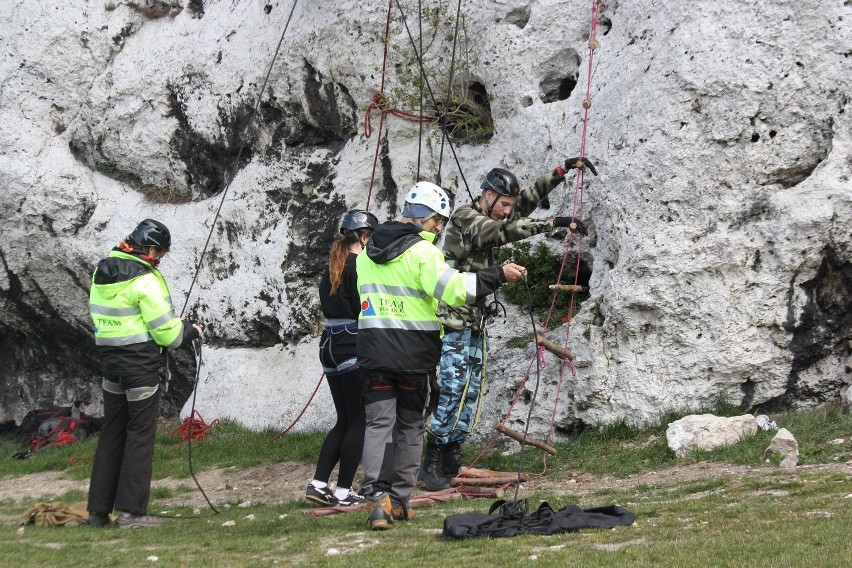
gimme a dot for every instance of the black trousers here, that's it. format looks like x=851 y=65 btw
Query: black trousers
x=121 y=473
x=345 y=441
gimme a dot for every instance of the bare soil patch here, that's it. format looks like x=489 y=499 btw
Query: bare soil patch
x=276 y=483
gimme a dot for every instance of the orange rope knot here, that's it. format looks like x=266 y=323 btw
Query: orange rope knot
x=193 y=428
x=379 y=102
x=594 y=43
x=587 y=103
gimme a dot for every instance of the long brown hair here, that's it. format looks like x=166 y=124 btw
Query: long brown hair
x=339 y=253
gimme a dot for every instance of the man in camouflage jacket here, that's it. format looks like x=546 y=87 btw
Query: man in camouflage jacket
x=471 y=243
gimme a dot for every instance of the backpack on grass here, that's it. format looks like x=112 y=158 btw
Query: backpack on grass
x=56 y=426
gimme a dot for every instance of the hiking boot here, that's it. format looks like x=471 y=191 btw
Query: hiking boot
x=131 y=521
x=379 y=511
x=98 y=520
x=352 y=499
x=452 y=460
x=430 y=470
x=322 y=496
x=402 y=512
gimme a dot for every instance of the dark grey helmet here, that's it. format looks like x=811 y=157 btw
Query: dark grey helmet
x=151 y=233
x=502 y=181
x=358 y=219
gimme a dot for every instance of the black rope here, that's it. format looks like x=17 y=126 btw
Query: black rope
x=449 y=89
x=229 y=179
x=197 y=345
x=233 y=172
x=432 y=96
x=420 y=135
x=534 y=396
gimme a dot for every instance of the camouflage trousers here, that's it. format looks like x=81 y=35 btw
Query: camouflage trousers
x=460 y=377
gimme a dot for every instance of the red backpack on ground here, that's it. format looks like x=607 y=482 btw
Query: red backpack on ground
x=56 y=426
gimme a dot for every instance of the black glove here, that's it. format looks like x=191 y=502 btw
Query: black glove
x=574 y=225
x=571 y=164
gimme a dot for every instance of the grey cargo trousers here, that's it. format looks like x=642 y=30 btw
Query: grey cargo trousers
x=395 y=405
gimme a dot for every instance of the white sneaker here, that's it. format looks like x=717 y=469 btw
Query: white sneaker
x=352 y=499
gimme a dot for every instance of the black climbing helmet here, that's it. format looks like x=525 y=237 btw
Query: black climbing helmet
x=151 y=233
x=502 y=181
x=358 y=219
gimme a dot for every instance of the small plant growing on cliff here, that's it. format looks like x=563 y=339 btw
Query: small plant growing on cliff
x=542 y=270
x=463 y=106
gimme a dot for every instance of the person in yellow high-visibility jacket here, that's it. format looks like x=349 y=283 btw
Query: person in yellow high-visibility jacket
x=402 y=276
x=134 y=324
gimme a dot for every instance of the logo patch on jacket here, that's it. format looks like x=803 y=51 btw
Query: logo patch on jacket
x=367 y=308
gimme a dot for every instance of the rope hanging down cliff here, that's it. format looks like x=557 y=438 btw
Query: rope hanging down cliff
x=577 y=212
x=198 y=265
x=380 y=103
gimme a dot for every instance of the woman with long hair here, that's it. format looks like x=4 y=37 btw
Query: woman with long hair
x=341 y=305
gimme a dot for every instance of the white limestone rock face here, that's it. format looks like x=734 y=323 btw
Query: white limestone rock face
x=719 y=255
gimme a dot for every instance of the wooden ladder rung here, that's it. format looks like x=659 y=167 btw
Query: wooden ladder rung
x=560 y=352
x=487 y=481
x=565 y=288
x=526 y=439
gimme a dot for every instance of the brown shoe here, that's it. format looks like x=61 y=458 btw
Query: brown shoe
x=131 y=521
x=379 y=511
x=402 y=512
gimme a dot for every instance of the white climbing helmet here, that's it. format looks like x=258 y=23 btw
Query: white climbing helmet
x=429 y=195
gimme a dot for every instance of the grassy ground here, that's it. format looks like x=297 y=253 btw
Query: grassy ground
x=768 y=517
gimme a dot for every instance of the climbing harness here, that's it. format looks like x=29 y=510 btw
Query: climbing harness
x=471 y=481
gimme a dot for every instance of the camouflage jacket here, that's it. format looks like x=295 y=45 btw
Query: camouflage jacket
x=472 y=240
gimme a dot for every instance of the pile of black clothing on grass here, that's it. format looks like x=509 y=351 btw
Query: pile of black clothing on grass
x=512 y=518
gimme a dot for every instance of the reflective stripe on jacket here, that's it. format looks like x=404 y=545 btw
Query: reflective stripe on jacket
x=132 y=314
x=401 y=278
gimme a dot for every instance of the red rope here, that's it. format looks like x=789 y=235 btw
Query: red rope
x=577 y=211
x=379 y=103
x=307 y=404
x=376 y=100
x=192 y=428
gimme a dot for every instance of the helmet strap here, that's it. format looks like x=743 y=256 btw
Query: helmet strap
x=490 y=206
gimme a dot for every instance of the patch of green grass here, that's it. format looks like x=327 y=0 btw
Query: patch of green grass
x=227 y=445
x=520 y=341
x=714 y=526
x=622 y=449
x=782 y=518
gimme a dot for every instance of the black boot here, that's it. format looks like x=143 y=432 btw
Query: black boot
x=452 y=459
x=430 y=469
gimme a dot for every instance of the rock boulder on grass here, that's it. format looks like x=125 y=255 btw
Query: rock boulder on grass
x=707 y=431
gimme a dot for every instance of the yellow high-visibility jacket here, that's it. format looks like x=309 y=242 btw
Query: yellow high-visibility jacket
x=133 y=317
x=401 y=278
